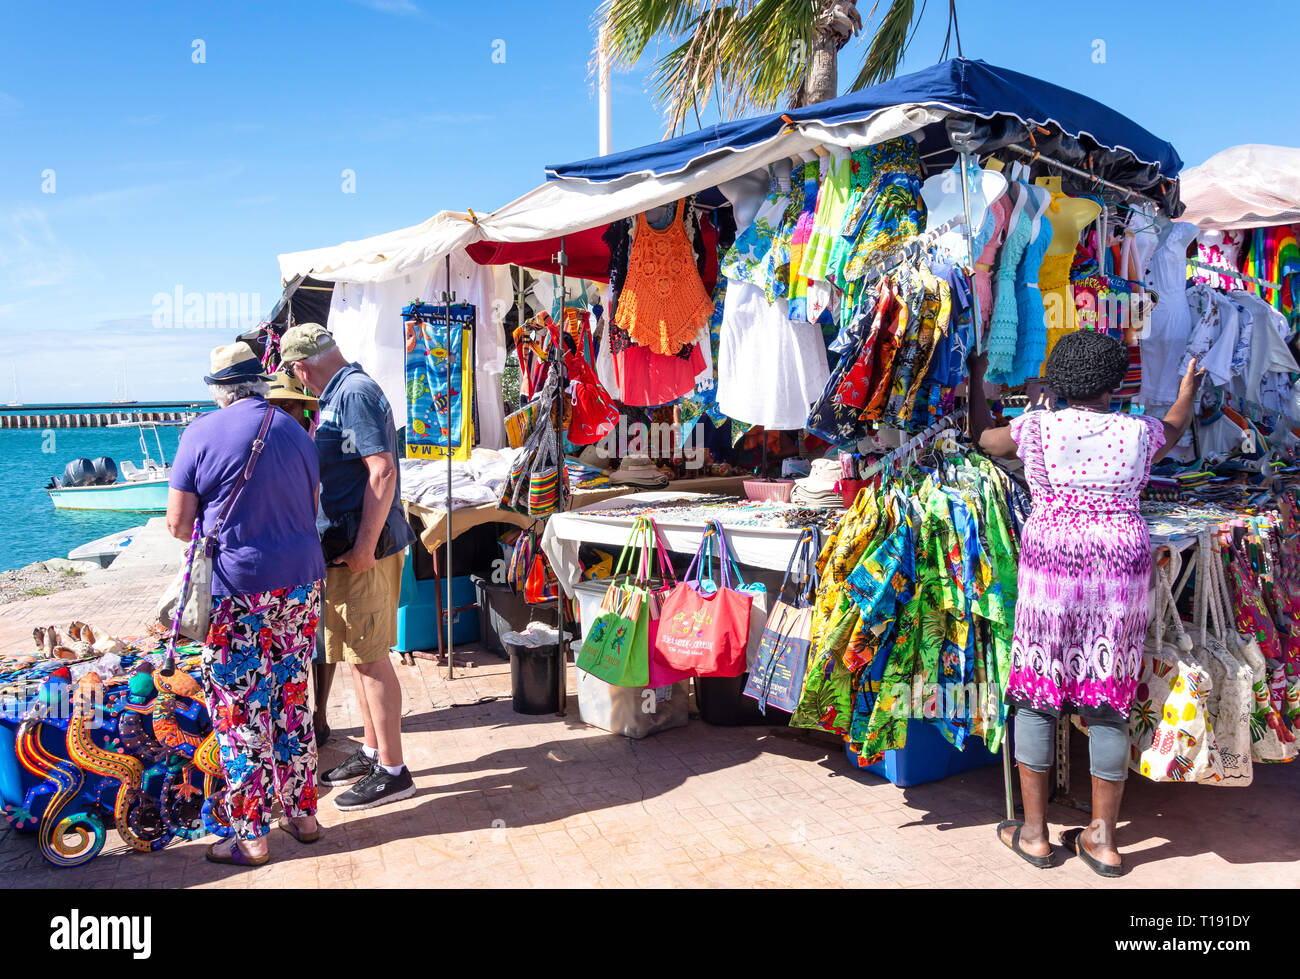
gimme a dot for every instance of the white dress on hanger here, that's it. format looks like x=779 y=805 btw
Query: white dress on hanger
x=1171 y=321
x=769 y=370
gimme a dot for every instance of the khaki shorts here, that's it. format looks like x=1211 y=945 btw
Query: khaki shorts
x=361 y=612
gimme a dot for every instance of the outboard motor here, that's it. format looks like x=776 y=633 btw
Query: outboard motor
x=79 y=472
x=105 y=471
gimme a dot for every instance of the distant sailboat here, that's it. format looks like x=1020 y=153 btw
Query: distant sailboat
x=122 y=398
x=17 y=401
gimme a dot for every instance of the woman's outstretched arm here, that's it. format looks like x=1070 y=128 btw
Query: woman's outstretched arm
x=1179 y=417
x=994 y=441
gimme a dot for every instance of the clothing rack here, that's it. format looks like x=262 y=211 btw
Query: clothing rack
x=894 y=255
x=1033 y=155
x=948 y=422
x=943 y=425
x=1231 y=273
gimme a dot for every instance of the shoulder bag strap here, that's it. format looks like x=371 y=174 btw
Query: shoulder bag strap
x=666 y=571
x=730 y=567
x=259 y=444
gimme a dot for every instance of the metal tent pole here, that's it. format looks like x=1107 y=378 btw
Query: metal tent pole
x=965 y=163
x=970 y=247
x=562 y=259
x=1031 y=155
x=447 y=610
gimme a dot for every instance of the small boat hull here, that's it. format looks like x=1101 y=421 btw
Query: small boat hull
x=141 y=497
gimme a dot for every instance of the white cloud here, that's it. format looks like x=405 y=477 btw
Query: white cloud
x=9 y=105
x=402 y=7
x=31 y=255
x=80 y=359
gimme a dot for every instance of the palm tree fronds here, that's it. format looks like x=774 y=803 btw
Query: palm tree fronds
x=749 y=54
x=889 y=44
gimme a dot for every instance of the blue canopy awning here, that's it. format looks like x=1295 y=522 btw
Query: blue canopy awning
x=971 y=88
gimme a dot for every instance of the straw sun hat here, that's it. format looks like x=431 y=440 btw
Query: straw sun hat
x=286 y=388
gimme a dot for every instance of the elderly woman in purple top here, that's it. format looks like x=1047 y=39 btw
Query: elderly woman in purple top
x=267 y=571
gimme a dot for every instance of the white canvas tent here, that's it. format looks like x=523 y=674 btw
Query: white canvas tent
x=379 y=275
x=993 y=106
x=1249 y=186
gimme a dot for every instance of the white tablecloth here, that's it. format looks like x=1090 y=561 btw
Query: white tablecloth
x=755 y=547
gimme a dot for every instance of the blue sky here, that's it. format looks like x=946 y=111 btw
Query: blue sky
x=169 y=174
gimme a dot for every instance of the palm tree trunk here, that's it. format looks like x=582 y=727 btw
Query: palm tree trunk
x=837 y=23
x=823 y=79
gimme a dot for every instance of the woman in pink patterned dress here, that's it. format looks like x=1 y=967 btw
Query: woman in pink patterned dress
x=1085 y=569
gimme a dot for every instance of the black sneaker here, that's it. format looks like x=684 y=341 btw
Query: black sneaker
x=377 y=789
x=357 y=767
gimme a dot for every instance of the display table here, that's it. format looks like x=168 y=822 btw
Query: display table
x=601 y=523
x=434 y=519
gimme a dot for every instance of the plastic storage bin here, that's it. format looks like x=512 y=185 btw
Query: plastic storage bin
x=418 y=627
x=927 y=757
x=770 y=490
x=722 y=703
x=632 y=711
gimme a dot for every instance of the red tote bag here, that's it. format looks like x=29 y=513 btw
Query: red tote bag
x=703 y=623
x=661 y=674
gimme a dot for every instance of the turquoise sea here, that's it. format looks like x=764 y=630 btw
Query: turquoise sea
x=30 y=528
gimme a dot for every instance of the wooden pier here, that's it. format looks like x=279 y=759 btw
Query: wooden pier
x=95 y=416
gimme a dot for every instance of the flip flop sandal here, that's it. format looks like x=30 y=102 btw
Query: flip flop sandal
x=1073 y=840
x=235 y=857
x=1042 y=863
x=287 y=825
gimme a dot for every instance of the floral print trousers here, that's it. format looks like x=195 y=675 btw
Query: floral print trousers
x=255 y=671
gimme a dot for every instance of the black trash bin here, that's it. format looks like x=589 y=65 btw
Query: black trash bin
x=501 y=610
x=534 y=671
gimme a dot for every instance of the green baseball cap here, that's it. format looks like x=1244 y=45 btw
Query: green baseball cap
x=303 y=341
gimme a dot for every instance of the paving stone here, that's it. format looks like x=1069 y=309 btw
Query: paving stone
x=505 y=800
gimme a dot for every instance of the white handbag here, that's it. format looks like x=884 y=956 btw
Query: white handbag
x=1233 y=701
x=186 y=606
x=1169 y=726
x=1265 y=721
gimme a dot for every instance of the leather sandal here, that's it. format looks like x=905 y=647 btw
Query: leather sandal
x=1072 y=839
x=287 y=825
x=234 y=857
x=1042 y=863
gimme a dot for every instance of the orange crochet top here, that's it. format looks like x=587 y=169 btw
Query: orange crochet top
x=663 y=304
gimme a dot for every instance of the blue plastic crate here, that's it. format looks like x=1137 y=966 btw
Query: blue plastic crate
x=927 y=757
x=418 y=627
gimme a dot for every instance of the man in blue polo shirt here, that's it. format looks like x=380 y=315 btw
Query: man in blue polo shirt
x=361 y=498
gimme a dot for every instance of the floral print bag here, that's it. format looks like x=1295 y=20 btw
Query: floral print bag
x=1170 y=729
x=1271 y=738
